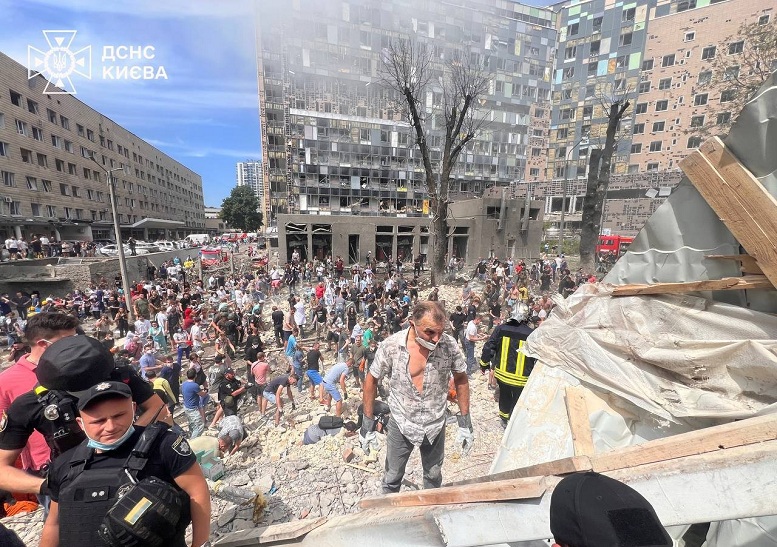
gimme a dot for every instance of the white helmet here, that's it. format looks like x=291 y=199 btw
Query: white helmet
x=520 y=312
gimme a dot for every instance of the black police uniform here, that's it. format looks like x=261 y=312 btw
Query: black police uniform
x=28 y=413
x=511 y=367
x=226 y=389
x=85 y=499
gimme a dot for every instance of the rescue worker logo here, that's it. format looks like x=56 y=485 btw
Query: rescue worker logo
x=181 y=447
x=102 y=387
x=3 y=421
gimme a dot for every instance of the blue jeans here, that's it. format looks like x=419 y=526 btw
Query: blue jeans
x=469 y=349
x=186 y=350
x=196 y=425
x=300 y=376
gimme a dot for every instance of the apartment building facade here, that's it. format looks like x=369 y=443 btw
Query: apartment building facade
x=334 y=139
x=658 y=55
x=679 y=104
x=50 y=185
x=249 y=173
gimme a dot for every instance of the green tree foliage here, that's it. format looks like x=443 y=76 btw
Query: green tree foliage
x=241 y=210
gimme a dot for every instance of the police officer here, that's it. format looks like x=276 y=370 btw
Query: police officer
x=511 y=367
x=70 y=364
x=86 y=481
x=230 y=391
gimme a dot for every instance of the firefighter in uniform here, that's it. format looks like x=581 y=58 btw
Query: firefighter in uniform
x=125 y=485
x=503 y=353
x=72 y=363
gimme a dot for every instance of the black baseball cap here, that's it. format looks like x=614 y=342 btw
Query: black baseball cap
x=74 y=363
x=103 y=390
x=592 y=510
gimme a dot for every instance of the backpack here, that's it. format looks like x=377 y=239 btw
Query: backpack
x=330 y=422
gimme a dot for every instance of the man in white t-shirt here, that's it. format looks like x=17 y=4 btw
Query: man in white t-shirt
x=196 y=335
x=471 y=336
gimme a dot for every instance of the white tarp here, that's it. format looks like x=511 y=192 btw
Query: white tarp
x=676 y=356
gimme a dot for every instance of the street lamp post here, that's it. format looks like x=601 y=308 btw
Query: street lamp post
x=117 y=234
x=583 y=140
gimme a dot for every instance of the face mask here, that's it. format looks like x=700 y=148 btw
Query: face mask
x=424 y=343
x=110 y=446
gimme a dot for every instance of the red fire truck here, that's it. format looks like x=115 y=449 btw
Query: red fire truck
x=612 y=245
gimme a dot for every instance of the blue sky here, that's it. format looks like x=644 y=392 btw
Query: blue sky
x=205 y=114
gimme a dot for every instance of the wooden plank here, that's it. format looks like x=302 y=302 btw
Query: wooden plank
x=741 y=202
x=563 y=466
x=579 y=423
x=748 y=263
x=724 y=284
x=269 y=534
x=710 y=439
x=514 y=489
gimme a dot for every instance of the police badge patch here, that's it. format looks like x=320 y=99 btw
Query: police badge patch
x=3 y=421
x=181 y=447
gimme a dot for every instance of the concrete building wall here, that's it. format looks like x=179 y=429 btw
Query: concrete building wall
x=49 y=183
x=474 y=231
x=58 y=276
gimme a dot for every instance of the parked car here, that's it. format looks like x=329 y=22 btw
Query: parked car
x=147 y=247
x=166 y=245
x=113 y=250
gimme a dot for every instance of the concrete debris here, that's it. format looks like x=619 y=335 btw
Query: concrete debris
x=312 y=481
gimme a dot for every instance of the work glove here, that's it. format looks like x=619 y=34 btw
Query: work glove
x=465 y=437
x=484 y=366
x=367 y=436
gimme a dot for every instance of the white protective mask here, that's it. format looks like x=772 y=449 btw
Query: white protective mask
x=431 y=346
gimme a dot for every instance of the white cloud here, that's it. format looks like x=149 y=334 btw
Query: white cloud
x=180 y=148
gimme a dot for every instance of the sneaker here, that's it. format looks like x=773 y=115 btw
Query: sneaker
x=280 y=429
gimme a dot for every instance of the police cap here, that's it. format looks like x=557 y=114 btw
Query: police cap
x=74 y=363
x=103 y=390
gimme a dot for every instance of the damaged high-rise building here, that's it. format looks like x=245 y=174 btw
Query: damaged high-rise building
x=333 y=138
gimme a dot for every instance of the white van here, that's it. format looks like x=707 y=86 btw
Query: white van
x=197 y=240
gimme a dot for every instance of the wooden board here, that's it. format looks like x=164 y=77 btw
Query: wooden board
x=748 y=263
x=741 y=202
x=514 y=489
x=268 y=534
x=564 y=466
x=579 y=423
x=724 y=284
x=710 y=439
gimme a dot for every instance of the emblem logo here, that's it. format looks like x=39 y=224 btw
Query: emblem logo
x=102 y=386
x=59 y=62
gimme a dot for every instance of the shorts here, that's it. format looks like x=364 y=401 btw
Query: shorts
x=269 y=396
x=315 y=377
x=275 y=284
x=204 y=400
x=333 y=391
x=256 y=390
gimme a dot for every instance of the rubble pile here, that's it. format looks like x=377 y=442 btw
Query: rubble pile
x=331 y=476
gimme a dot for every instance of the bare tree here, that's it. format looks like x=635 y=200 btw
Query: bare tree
x=409 y=69
x=598 y=181
x=742 y=62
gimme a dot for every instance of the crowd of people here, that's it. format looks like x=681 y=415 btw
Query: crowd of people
x=336 y=328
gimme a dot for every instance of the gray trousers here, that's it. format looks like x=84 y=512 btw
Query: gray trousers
x=398 y=450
